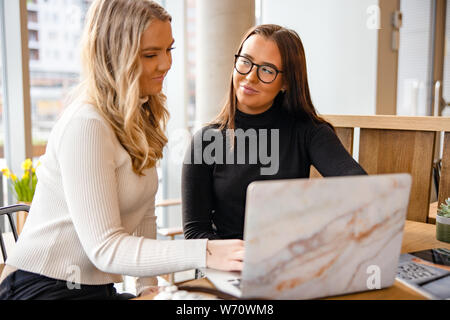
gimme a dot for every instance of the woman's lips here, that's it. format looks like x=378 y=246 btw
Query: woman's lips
x=249 y=90
x=160 y=79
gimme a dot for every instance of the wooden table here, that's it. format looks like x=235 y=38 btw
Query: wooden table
x=417 y=236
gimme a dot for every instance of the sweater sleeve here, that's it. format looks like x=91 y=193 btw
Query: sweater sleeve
x=197 y=193
x=146 y=229
x=86 y=160
x=328 y=154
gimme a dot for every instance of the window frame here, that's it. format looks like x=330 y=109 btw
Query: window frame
x=16 y=84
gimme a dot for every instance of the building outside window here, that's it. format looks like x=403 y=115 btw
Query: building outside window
x=54 y=60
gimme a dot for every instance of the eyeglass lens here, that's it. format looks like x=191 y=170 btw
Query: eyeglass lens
x=266 y=74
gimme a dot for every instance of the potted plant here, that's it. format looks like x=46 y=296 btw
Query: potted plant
x=443 y=222
x=23 y=188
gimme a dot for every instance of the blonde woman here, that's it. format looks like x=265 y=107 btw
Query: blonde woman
x=92 y=218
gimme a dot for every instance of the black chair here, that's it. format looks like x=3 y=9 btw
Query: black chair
x=9 y=212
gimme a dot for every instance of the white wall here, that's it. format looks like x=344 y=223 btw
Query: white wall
x=341 y=50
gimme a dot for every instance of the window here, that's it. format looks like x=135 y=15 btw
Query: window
x=2 y=126
x=33 y=35
x=55 y=73
x=34 y=54
x=190 y=25
x=32 y=16
x=446 y=84
x=415 y=56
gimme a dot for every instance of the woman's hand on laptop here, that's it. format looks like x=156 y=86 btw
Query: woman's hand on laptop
x=225 y=255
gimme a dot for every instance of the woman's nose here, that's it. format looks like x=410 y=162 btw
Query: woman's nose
x=165 y=62
x=252 y=76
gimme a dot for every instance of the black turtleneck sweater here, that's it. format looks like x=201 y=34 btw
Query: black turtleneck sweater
x=213 y=194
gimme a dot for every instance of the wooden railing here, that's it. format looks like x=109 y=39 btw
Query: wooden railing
x=37 y=151
x=394 y=144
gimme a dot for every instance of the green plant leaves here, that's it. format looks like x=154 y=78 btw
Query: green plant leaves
x=444 y=209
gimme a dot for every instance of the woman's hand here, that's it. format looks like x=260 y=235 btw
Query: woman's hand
x=226 y=255
x=149 y=291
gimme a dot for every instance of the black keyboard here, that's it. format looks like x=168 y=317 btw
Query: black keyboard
x=416 y=273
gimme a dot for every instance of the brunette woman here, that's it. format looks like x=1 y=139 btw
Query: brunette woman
x=269 y=129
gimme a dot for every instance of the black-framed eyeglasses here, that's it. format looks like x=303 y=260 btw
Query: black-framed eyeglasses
x=265 y=73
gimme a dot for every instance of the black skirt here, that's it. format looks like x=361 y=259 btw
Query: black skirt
x=23 y=285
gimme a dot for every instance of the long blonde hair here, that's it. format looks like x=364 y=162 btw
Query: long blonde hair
x=111 y=69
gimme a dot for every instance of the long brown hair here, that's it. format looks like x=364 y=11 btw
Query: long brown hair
x=111 y=47
x=296 y=99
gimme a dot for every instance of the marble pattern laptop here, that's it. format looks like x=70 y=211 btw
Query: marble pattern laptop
x=311 y=238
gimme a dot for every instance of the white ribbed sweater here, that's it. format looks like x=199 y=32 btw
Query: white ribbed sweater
x=92 y=216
